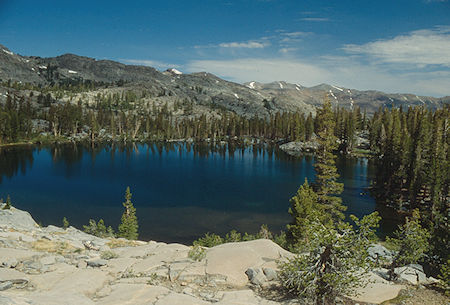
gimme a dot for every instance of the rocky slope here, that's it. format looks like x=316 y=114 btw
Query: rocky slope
x=52 y=265
x=200 y=88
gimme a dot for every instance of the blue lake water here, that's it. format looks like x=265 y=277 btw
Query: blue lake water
x=180 y=191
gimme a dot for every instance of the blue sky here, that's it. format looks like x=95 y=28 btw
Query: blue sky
x=393 y=46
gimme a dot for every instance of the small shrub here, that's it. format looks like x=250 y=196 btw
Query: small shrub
x=247 y=237
x=117 y=243
x=98 y=229
x=7 y=204
x=50 y=246
x=233 y=236
x=445 y=277
x=66 y=223
x=209 y=240
x=197 y=253
x=412 y=242
x=153 y=279
x=108 y=255
x=281 y=240
x=264 y=232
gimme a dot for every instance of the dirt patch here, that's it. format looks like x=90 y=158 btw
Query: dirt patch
x=419 y=296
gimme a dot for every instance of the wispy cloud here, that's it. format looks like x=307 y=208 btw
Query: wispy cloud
x=150 y=63
x=250 y=44
x=287 y=50
x=315 y=19
x=245 y=45
x=343 y=70
x=420 y=48
x=296 y=34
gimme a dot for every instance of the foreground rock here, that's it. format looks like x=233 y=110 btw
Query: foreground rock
x=45 y=266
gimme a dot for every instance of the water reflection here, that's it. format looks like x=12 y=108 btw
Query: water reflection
x=181 y=190
x=13 y=161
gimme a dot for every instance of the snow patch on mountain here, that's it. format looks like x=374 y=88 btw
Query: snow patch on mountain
x=332 y=94
x=175 y=71
x=8 y=52
x=73 y=72
x=337 y=88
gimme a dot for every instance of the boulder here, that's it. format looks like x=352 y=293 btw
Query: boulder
x=17 y=220
x=378 y=252
x=270 y=274
x=233 y=259
x=378 y=290
x=412 y=274
x=256 y=276
x=97 y=263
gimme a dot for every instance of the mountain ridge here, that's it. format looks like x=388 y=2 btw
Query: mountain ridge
x=261 y=98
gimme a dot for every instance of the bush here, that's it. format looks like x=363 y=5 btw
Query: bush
x=233 y=236
x=7 y=204
x=445 y=277
x=209 y=240
x=65 y=223
x=197 y=253
x=332 y=262
x=98 y=229
x=108 y=255
x=411 y=242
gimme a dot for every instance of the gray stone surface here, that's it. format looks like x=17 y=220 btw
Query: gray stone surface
x=97 y=263
x=17 y=219
x=256 y=276
x=146 y=273
x=412 y=274
x=380 y=253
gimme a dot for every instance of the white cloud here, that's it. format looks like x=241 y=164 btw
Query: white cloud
x=287 y=50
x=344 y=71
x=150 y=63
x=420 y=48
x=315 y=19
x=246 y=45
x=262 y=70
x=296 y=34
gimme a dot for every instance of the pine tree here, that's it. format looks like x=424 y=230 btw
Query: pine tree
x=7 y=204
x=304 y=209
x=128 y=227
x=332 y=264
x=326 y=185
x=65 y=223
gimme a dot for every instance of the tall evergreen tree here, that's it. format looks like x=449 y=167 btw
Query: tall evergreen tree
x=128 y=227
x=326 y=185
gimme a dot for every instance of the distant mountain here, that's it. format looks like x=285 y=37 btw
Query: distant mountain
x=248 y=99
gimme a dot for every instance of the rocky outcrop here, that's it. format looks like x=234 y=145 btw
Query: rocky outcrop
x=55 y=266
x=298 y=148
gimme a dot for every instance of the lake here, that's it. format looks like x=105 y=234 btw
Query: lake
x=180 y=191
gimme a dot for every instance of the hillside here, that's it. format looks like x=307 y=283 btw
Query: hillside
x=201 y=88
